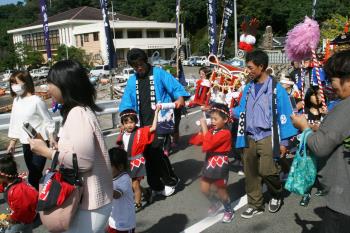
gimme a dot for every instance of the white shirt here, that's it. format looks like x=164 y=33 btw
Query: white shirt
x=126 y=138
x=123 y=215
x=30 y=109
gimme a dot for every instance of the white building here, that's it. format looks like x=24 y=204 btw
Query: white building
x=83 y=28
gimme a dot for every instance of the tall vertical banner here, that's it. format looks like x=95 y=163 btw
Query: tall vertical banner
x=110 y=45
x=314 y=2
x=212 y=26
x=177 y=36
x=43 y=11
x=223 y=34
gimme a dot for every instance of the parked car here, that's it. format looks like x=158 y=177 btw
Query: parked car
x=44 y=71
x=190 y=61
x=102 y=70
x=237 y=62
x=6 y=76
x=202 y=61
x=124 y=76
x=161 y=62
x=34 y=73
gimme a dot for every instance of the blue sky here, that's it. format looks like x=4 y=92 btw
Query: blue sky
x=4 y=2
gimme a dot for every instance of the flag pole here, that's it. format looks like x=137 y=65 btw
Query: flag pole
x=178 y=33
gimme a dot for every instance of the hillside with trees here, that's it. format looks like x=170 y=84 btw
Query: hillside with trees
x=282 y=15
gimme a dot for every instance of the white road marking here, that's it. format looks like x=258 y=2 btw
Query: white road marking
x=209 y=221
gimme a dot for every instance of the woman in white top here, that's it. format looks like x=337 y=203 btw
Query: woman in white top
x=30 y=108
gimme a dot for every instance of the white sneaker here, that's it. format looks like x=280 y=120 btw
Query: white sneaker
x=168 y=191
x=240 y=173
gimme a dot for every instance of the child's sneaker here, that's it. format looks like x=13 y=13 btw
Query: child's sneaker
x=228 y=216
x=213 y=210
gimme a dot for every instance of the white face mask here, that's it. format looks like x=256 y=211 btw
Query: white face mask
x=18 y=89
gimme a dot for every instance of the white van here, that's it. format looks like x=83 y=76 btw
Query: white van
x=102 y=70
x=203 y=61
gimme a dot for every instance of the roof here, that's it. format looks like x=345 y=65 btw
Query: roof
x=83 y=13
x=343 y=38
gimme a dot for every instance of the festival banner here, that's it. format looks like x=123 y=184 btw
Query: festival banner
x=43 y=11
x=226 y=16
x=314 y=2
x=110 y=45
x=212 y=26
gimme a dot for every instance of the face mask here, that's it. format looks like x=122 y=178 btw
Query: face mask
x=18 y=89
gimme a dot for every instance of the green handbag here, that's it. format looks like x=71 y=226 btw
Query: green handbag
x=303 y=171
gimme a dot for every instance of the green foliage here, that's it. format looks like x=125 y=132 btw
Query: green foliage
x=73 y=53
x=172 y=70
x=26 y=56
x=332 y=27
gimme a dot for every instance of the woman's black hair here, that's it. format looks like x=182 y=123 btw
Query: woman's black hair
x=135 y=55
x=118 y=157
x=307 y=100
x=72 y=80
x=258 y=57
x=221 y=109
x=25 y=77
x=338 y=66
x=8 y=167
x=128 y=114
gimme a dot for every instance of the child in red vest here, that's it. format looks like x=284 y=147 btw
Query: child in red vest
x=22 y=198
x=134 y=141
x=216 y=142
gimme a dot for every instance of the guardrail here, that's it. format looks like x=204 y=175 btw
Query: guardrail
x=108 y=106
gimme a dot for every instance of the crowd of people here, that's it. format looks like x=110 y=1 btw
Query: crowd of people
x=258 y=123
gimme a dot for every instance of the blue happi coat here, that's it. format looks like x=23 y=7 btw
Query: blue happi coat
x=284 y=110
x=167 y=89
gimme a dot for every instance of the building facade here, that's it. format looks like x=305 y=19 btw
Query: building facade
x=83 y=28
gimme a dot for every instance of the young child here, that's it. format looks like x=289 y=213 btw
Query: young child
x=216 y=142
x=22 y=198
x=201 y=96
x=315 y=113
x=134 y=141
x=123 y=217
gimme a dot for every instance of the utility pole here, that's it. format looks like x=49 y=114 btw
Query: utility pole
x=113 y=21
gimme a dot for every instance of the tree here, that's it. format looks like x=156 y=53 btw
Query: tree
x=26 y=56
x=74 y=53
x=333 y=27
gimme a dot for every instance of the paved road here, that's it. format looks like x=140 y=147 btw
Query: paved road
x=185 y=211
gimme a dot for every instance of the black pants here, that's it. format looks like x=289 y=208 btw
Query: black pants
x=35 y=164
x=158 y=168
x=335 y=222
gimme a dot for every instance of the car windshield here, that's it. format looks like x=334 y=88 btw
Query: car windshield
x=98 y=68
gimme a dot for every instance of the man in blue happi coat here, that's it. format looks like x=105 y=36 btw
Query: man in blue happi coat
x=144 y=89
x=264 y=128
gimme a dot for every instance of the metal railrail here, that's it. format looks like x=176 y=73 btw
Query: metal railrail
x=108 y=107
